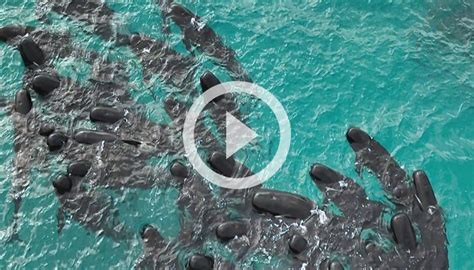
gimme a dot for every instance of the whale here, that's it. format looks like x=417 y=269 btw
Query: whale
x=158 y=253
x=198 y=34
x=91 y=209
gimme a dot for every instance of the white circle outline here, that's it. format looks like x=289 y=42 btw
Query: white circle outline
x=190 y=145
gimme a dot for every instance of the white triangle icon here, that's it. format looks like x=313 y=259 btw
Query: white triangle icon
x=237 y=135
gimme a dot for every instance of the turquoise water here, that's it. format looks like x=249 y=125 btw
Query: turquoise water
x=402 y=70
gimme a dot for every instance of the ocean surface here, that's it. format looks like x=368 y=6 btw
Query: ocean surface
x=401 y=70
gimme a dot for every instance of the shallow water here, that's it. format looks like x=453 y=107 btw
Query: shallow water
x=402 y=70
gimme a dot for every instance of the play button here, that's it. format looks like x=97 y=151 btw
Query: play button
x=237 y=135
